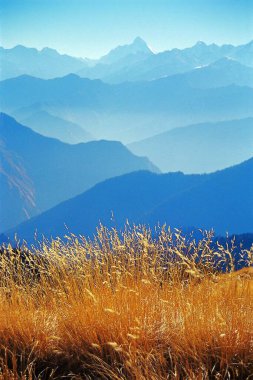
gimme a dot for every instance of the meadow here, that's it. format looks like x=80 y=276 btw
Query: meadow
x=126 y=305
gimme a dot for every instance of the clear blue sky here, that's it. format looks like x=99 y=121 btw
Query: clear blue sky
x=90 y=28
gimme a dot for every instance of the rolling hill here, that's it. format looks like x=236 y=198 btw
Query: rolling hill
x=39 y=172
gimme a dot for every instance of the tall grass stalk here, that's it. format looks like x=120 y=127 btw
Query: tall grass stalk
x=126 y=305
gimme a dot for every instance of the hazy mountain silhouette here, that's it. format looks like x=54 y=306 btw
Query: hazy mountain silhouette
x=137 y=48
x=45 y=63
x=49 y=125
x=129 y=111
x=221 y=73
x=48 y=63
x=244 y=54
x=117 y=60
x=199 y=148
x=170 y=62
x=222 y=200
x=38 y=172
x=132 y=62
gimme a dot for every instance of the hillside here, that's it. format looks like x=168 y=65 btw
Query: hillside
x=38 y=172
x=17 y=191
x=222 y=200
x=200 y=148
x=111 y=202
x=223 y=203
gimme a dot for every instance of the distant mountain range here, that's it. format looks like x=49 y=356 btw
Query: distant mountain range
x=46 y=63
x=168 y=63
x=132 y=62
x=199 y=148
x=222 y=200
x=37 y=172
x=128 y=111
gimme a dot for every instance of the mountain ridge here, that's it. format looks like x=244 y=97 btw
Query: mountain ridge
x=127 y=110
x=199 y=148
x=144 y=197
x=49 y=63
x=52 y=170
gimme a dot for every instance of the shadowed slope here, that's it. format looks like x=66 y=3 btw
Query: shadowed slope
x=222 y=200
x=53 y=171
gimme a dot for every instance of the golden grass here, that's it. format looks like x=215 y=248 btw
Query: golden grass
x=125 y=306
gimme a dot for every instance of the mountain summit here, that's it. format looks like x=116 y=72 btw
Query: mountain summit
x=137 y=47
x=140 y=45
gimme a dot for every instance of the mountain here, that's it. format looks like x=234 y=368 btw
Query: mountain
x=138 y=48
x=170 y=62
x=71 y=90
x=222 y=200
x=244 y=54
x=117 y=60
x=39 y=172
x=128 y=111
x=17 y=190
x=46 y=63
x=176 y=61
x=126 y=197
x=199 y=148
x=133 y=62
x=46 y=124
x=221 y=73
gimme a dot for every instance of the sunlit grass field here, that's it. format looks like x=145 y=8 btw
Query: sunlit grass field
x=126 y=305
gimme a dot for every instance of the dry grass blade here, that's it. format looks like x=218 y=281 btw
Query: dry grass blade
x=126 y=306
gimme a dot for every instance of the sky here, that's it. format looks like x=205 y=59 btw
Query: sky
x=90 y=28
